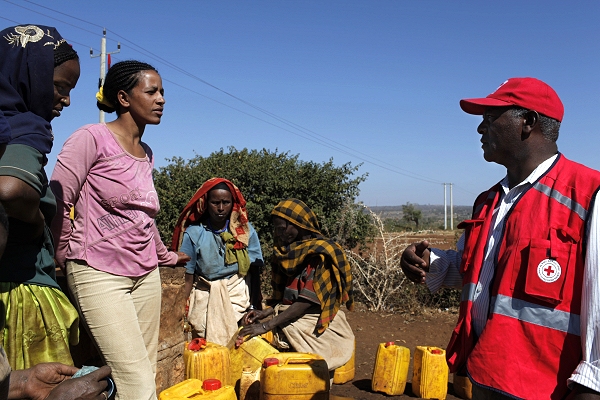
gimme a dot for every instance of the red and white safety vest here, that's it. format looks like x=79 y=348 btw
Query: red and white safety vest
x=531 y=341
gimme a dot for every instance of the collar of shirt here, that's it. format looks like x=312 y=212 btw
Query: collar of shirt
x=534 y=176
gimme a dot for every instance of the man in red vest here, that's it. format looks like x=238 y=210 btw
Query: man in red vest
x=528 y=261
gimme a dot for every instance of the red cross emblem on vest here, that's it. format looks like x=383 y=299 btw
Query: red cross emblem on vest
x=549 y=270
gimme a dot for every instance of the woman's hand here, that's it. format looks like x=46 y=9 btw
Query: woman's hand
x=251 y=331
x=182 y=258
x=253 y=326
x=256 y=315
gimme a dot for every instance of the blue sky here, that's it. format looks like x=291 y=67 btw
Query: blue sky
x=378 y=81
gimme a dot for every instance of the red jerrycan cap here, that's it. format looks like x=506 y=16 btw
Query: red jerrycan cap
x=388 y=344
x=267 y=362
x=211 y=384
x=436 y=351
x=197 y=344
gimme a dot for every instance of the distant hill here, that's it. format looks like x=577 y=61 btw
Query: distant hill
x=432 y=214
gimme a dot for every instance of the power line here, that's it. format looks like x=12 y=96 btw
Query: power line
x=66 y=23
x=305 y=132
x=61 y=13
x=465 y=190
x=10 y=20
x=319 y=138
x=45 y=15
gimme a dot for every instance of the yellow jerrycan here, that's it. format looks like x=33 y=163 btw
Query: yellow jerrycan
x=294 y=376
x=249 y=384
x=268 y=336
x=391 y=369
x=345 y=373
x=205 y=360
x=430 y=373
x=462 y=386
x=210 y=389
x=249 y=355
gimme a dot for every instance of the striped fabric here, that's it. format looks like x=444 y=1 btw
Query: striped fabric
x=333 y=280
x=301 y=286
x=587 y=372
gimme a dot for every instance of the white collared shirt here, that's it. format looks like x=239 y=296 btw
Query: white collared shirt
x=445 y=264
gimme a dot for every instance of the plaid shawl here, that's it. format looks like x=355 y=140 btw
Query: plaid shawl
x=236 y=239
x=333 y=277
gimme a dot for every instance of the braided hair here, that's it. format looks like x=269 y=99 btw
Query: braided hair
x=63 y=53
x=123 y=75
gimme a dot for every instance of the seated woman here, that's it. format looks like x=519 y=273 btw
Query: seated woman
x=214 y=231
x=311 y=280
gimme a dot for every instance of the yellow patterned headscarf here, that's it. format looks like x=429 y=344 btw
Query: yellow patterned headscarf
x=333 y=277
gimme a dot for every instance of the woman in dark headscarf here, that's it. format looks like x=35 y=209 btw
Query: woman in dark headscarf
x=38 y=69
x=311 y=281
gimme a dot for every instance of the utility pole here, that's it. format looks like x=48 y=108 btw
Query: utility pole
x=102 y=56
x=445 y=208
x=451 y=210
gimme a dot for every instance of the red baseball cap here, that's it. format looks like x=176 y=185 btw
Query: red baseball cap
x=529 y=93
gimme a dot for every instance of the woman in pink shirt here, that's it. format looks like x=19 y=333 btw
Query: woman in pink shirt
x=110 y=246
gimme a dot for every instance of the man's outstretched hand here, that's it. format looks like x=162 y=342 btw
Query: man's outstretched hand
x=415 y=261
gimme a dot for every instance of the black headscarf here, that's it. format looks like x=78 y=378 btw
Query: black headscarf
x=4 y=129
x=26 y=83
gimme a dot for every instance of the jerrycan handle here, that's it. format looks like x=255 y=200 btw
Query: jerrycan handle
x=298 y=360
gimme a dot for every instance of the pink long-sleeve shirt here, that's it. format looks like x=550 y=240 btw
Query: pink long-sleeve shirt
x=115 y=205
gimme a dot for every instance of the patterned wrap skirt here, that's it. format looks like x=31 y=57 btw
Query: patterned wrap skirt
x=40 y=325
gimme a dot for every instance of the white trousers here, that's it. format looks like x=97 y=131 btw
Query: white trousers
x=123 y=317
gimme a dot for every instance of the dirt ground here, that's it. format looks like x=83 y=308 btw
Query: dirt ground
x=430 y=329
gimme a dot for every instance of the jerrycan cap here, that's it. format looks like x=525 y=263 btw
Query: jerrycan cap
x=211 y=384
x=388 y=344
x=197 y=344
x=436 y=351
x=267 y=362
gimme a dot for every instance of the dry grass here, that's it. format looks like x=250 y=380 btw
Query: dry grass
x=379 y=282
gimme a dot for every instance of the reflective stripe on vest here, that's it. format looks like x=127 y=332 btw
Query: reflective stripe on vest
x=536 y=314
x=468 y=292
x=562 y=199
